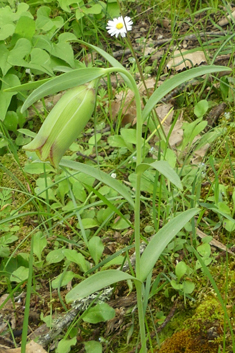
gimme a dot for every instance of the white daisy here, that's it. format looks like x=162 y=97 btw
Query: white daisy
x=117 y=26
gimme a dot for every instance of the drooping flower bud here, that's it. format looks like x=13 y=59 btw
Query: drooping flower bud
x=64 y=123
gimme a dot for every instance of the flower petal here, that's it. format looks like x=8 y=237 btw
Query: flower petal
x=113 y=28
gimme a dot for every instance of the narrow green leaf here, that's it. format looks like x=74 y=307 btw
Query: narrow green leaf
x=95 y=283
x=218 y=211
x=161 y=239
x=177 y=80
x=27 y=86
x=101 y=176
x=60 y=83
x=38 y=168
x=164 y=168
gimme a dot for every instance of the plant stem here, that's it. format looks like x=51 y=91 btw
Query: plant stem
x=128 y=41
x=138 y=284
x=27 y=301
x=129 y=44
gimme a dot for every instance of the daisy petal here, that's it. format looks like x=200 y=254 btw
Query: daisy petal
x=120 y=26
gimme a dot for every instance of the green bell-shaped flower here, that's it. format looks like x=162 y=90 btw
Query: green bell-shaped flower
x=64 y=123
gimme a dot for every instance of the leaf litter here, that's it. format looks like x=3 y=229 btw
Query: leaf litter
x=31 y=347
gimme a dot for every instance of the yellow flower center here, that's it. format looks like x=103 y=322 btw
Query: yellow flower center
x=119 y=25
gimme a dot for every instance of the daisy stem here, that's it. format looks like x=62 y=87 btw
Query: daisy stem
x=129 y=44
x=138 y=283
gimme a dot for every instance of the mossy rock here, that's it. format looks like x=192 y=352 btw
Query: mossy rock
x=200 y=334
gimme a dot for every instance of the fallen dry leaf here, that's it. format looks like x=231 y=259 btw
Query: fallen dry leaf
x=226 y=19
x=157 y=55
x=176 y=136
x=116 y=322
x=163 y=111
x=164 y=22
x=8 y=305
x=31 y=347
x=148 y=50
x=214 y=242
x=199 y=154
x=183 y=59
x=124 y=102
x=149 y=83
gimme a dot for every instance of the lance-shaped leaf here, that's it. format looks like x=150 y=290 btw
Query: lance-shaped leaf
x=176 y=81
x=101 y=176
x=164 y=168
x=161 y=239
x=95 y=283
x=67 y=80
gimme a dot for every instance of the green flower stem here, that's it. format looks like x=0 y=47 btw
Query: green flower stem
x=128 y=42
x=138 y=285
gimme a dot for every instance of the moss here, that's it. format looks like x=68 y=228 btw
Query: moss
x=189 y=341
x=200 y=334
x=8 y=162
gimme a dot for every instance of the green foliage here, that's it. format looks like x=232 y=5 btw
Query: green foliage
x=161 y=239
x=65 y=345
x=185 y=286
x=5 y=240
x=201 y=108
x=96 y=248
x=84 y=201
x=39 y=244
x=145 y=263
x=20 y=275
x=63 y=279
x=28 y=51
x=8 y=230
x=205 y=252
x=95 y=283
x=93 y=347
x=99 y=313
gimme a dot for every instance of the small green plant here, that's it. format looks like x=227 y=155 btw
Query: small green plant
x=67 y=190
x=8 y=230
x=185 y=286
x=146 y=262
